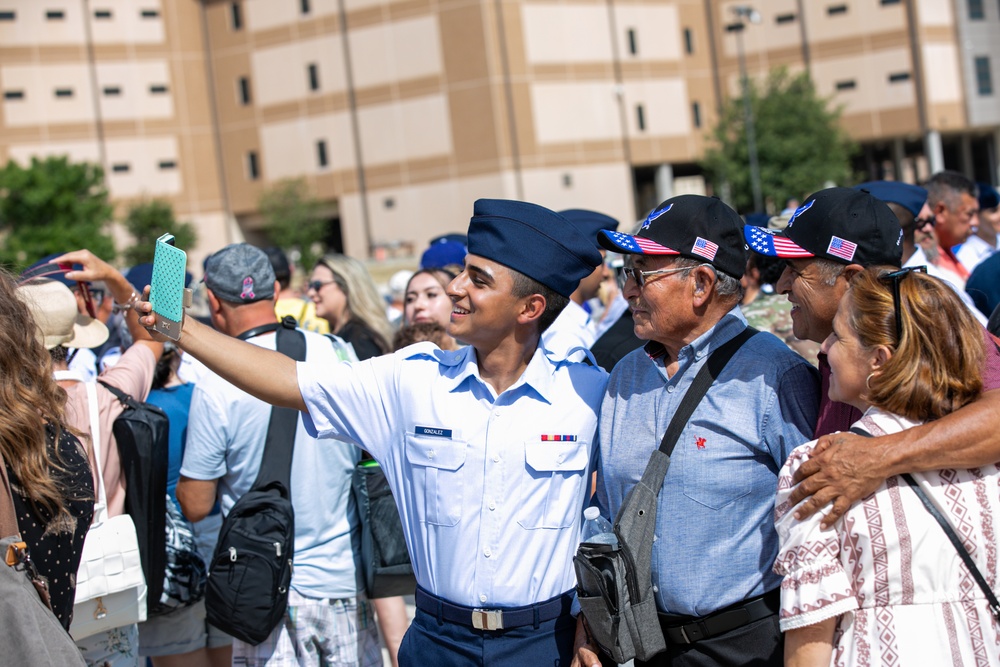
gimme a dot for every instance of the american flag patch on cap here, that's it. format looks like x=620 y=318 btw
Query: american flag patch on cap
x=842 y=248
x=704 y=248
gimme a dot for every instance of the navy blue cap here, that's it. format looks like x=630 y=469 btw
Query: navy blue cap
x=61 y=277
x=590 y=223
x=532 y=240
x=694 y=226
x=988 y=196
x=442 y=253
x=910 y=197
x=141 y=275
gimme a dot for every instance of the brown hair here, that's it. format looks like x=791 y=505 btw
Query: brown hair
x=29 y=399
x=442 y=276
x=936 y=365
x=421 y=331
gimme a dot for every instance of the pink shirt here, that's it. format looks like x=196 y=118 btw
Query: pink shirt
x=133 y=374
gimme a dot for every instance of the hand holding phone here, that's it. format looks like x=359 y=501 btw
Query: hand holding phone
x=166 y=292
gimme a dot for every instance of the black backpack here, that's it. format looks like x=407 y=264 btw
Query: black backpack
x=251 y=570
x=142 y=433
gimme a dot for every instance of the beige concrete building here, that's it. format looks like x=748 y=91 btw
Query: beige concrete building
x=400 y=113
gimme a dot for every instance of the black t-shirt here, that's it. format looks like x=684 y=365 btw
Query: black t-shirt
x=56 y=551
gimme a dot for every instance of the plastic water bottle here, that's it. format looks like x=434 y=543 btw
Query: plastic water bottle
x=597 y=529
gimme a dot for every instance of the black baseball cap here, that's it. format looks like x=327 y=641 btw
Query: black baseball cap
x=839 y=224
x=693 y=226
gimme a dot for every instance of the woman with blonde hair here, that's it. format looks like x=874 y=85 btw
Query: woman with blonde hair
x=885 y=585
x=50 y=478
x=346 y=297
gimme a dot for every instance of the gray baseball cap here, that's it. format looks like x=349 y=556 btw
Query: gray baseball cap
x=240 y=273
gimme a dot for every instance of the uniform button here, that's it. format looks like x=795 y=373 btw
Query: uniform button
x=559 y=459
x=492 y=505
x=482 y=598
x=496 y=413
x=496 y=458
x=430 y=454
x=487 y=553
x=670 y=389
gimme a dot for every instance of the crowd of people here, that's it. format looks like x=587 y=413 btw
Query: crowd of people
x=529 y=369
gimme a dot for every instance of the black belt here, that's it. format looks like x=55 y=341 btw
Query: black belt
x=688 y=630
x=502 y=618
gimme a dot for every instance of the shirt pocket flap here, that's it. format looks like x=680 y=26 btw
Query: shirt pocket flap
x=556 y=456
x=432 y=452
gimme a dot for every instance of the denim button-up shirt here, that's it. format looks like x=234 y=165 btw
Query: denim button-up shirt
x=715 y=537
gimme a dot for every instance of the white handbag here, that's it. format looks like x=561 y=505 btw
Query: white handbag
x=110 y=589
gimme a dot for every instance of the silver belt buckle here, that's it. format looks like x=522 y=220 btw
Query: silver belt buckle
x=487 y=619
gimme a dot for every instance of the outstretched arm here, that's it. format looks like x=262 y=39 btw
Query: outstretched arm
x=844 y=468
x=266 y=374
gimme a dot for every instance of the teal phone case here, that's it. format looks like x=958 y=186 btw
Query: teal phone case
x=166 y=293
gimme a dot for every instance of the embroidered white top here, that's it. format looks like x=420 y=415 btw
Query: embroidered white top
x=887 y=569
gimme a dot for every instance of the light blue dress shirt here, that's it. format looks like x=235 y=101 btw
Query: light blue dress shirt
x=491 y=489
x=715 y=538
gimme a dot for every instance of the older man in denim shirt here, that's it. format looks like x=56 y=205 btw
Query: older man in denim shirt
x=715 y=538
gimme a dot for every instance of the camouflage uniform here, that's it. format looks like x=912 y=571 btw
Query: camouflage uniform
x=772 y=312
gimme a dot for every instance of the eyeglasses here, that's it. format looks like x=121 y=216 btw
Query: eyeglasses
x=894 y=278
x=317 y=285
x=640 y=277
x=920 y=223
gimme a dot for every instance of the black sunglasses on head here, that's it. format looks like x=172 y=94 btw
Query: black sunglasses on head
x=894 y=278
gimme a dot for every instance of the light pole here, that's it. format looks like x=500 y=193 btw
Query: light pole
x=745 y=13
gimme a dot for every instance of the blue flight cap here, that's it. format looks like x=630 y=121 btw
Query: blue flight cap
x=141 y=275
x=443 y=252
x=532 y=240
x=910 y=197
x=988 y=196
x=590 y=223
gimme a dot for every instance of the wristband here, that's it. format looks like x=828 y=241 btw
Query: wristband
x=130 y=304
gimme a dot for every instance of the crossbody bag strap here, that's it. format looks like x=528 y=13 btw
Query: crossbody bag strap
x=276 y=464
x=8 y=517
x=952 y=535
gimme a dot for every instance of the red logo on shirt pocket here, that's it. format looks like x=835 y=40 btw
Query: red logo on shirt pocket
x=700 y=442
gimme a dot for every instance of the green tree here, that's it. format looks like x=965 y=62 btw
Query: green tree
x=146 y=222
x=293 y=220
x=53 y=206
x=800 y=144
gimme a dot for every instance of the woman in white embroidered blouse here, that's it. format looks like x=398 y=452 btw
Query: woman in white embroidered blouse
x=884 y=586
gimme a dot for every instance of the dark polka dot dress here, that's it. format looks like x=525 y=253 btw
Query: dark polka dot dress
x=56 y=549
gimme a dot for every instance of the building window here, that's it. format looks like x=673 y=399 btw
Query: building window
x=984 y=79
x=834 y=10
x=167 y=164
x=890 y=2
x=157 y=89
x=850 y=84
x=899 y=77
x=782 y=19
x=688 y=41
x=102 y=13
x=321 y=153
x=313 y=76
x=121 y=168
x=304 y=6
x=253 y=172
x=696 y=114
x=640 y=117
x=112 y=91
x=633 y=46
x=244 y=91
x=236 y=16
x=13 y=94
x=8 y=16
x=64 y=92
x=55 y=15
x=976 y=12
x=150 y=13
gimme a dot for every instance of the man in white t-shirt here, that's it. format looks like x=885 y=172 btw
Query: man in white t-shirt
x=329 y=621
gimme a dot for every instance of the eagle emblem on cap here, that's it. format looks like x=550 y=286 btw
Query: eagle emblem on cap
x=654 y=215
x=800 y=210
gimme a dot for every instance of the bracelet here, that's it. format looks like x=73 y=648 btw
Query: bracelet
x=130 y=304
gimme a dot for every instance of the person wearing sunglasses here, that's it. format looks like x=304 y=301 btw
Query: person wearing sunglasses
x=345 y=296
x=885 y=586
x=835 y=234
x=714 y=590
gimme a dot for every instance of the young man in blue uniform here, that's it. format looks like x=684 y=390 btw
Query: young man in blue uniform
x=488 y=449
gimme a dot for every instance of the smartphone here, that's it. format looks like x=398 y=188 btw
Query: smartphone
x=166 y=292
